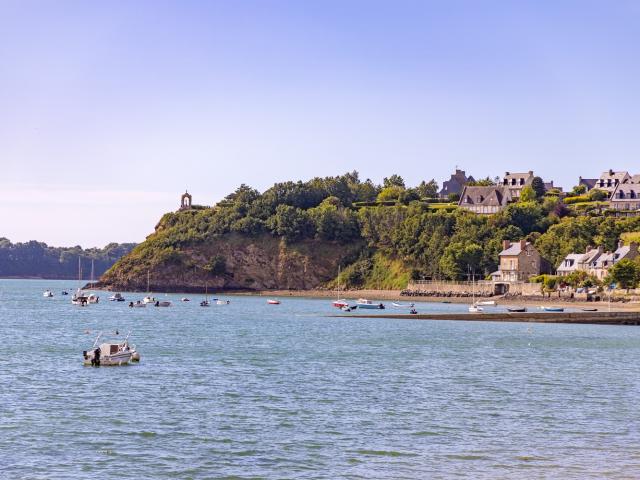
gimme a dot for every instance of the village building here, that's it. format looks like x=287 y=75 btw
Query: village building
x=579 y=261
x=455 y=184
x=484 y=200
x=599 y=267
x=589 y=183
x=515 y=182
x=626 y=197
x=519 y=261
x=608 y=181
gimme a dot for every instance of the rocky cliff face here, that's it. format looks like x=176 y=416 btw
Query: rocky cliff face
x=233 y=262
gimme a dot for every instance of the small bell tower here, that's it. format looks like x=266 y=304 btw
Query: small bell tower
x=185 y=201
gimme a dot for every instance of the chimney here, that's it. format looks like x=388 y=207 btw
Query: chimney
x=506 y=174
x=506 y=244
x=589 y=247
x=523 y=243
x=600 y=249
x=611 y=172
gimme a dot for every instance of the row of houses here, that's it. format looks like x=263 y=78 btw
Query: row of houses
x=519 y=261
x=622 y=190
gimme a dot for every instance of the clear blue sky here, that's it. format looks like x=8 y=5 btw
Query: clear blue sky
x=109 y=110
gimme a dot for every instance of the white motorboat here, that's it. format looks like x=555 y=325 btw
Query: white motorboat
x=93 y=298
x=184 y=299
x=80 y=298
x=137 y=304
x=110 y=352
x=487 y=303
x=222 y=302
x=116 y=297
x=47 y=294
x=475 y=309
x=403 y=305
x=205 y=303
x=162 y=303
x=363 y=303
x=149 y=299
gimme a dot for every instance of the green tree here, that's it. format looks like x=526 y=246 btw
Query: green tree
x=428 y=190
x=538 y=186
x=453 y=197
x=528 y=194
x=291 y=223
x=578 y=190
x=459 y=257
x=390 y=193
x=482 y=182
x=596 y=195
x=625 y=273
x=393 y=181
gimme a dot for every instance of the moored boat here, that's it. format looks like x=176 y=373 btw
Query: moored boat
x=552 y=309
x=116 y=297
x=110 y=352
x=184 y=299
x=80 y=298
x=487 y=303
x=137 y=304
x=273 y=302
x=340 y=303
x=162 y=303
x=475 y=309
x=368 y=304
x=403 y=305
x=222 y=302
x=93 y=298
x=516 y=309
x=47 y=294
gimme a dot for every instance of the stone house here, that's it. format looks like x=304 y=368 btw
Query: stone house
x=608 y=181
x=599 y=266
x=484 y=200
x=579 y=261
x=626 y=196
x=520 y=261
x=515 y=182
x=455 y=184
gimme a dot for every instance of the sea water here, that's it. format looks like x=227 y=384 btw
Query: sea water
x=250 y=390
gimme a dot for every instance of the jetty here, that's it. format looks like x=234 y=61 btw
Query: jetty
x=595 y=318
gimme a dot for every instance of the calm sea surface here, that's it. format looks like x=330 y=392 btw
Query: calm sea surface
x=249 y=390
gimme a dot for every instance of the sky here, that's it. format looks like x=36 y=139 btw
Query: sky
x=110 y=110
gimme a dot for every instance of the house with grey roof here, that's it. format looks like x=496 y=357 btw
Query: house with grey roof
x=609 y=180
x=578 y=261
x=455 y=184
x=626 y=197
x=599 y=267
x=515 y=182
x=484 y=200
x=589 y=183
x=520 y=261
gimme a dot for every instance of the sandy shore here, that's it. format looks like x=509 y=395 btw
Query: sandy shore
x=394 y=295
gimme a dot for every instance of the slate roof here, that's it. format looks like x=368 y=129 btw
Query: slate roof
x=485 y=196
x=514 y=249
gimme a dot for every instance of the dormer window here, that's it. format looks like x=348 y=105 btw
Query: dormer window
x=506 y=181
x=522 y=181
x=608 y=182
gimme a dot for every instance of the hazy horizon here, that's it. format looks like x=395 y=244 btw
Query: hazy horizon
x=112 y=110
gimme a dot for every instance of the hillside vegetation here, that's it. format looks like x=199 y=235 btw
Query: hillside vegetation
x=298 y=234
x=38 y=260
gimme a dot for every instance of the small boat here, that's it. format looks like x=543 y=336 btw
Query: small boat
x=340 y=303
x=162 y=303
x=368 y=304
x=552 y=309
x=516 y=309
x=184 y=299
x=475 y=309
x=116 y=297
x=80 y=298
x=487 y=303
x=204 y=303
x=222 y=302
x=445 y=301
x=92 y=298
x=137 y=304
x=347 y=308
x=403 y=305
x=64 y=292
x=589 y=309
x=149 y=299
x=47 y=294
x=110 y=353
x=273 y=302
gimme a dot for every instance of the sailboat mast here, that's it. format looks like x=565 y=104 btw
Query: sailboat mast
x=92 y=272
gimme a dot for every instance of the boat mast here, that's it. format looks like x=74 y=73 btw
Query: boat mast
x=148 y=282
x=92 y=272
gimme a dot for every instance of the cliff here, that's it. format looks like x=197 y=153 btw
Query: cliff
x=233 y=262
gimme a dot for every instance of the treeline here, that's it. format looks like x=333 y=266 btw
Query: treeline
x=429 y=243
x=38 y=260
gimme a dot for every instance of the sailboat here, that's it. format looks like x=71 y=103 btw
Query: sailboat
x=340 y=302
x=148 y=298
x=92 y=298
x=474 y=308
x=80 y=298
x=205 y=302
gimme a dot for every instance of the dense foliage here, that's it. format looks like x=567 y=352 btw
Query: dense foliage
x=36 y=259
x=393 y=222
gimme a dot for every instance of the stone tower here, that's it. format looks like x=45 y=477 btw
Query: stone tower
x=185 y=201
